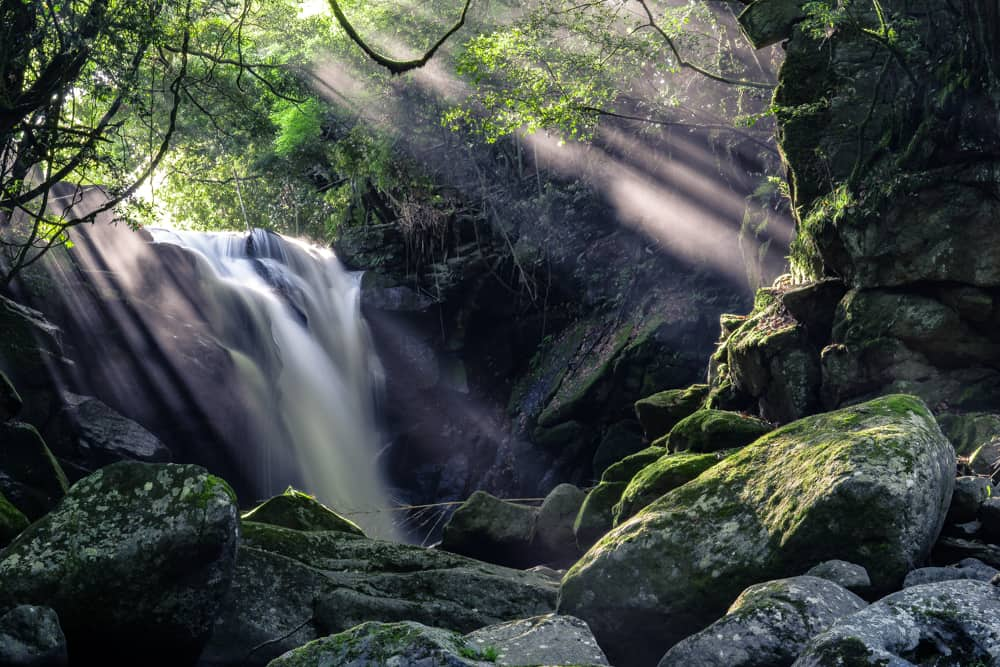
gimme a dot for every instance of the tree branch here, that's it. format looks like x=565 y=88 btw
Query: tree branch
x=681 y=62
x=395 y=66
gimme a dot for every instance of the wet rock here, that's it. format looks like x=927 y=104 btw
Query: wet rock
x=31 y=637
x=970 y=493
x=300 y=511
x=554 y=539
x=715 y=430
x=492 y=530
x=852 y=577
x=12 y=522
x=948 y=623
x=30 y=476
x=10 y=400
x=542 y=640
x=969 y=568
x=879 y=473
x=94 y=434
x=767 y=625
x=292 y=587
x=660 y=412
x=136 y=556
x=989 y=516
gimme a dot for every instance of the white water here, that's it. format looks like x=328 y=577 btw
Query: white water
x=316 y=371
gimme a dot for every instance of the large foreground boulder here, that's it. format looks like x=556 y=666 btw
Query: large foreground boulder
x=768 y=625
x=869 y=484
x=543 y=640
x=293 y=586
x=135 y=560
x=948 y=623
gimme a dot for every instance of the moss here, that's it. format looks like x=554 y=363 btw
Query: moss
x=595 y=517
x=624 y=470
x=300 y=511
x=848 y=652
x=715 y=430
x=665 y=474
x=660 y=412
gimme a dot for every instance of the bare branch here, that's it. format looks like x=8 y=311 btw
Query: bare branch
x=395 y=66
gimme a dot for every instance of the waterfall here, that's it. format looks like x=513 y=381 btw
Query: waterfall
x=290 y=317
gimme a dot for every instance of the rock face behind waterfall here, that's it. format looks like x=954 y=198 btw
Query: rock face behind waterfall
x=868 y=484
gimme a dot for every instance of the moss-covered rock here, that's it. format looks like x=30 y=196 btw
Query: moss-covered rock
x=544 y=640
x=406 y=644
x=12 y=521
x=663 y=475
x=946 y=623
x=658 y=413
x=715 y=430
x=869 y=484
x=136 y=556
x=492 y=530
x=596 y=516
x=30 y=476
x=300 y=586
x=767 y=22
x=625 y=470
x=300 y=511
x=767 y=625
x=769 y=358
x=10 y=400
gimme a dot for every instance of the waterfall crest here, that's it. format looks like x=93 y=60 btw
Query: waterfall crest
x=290 y=317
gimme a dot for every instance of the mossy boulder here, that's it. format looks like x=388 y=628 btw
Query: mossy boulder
x=406 y=644
x=492 y=530
x=658 y=413
x=30 y=476
x=12 y=521
x=136 y=556
x=767 y=625
x=715 y=430
x=596 y=516
x=10 y=400
x=543 y=640
x=946 y=623
x=663 y=475
x=300 y=586
x=300 y=511
x=626 y=469
x=869 y=484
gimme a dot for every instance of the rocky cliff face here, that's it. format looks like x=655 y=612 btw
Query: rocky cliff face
x=887 y=122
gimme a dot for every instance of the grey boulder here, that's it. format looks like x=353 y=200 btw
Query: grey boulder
x=767 y=625
x=136 y=557
x=31 y=637
x=969 y=568
x=950 y=623
x=852 y=577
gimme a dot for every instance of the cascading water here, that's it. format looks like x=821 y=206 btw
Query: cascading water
x=290 y=317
